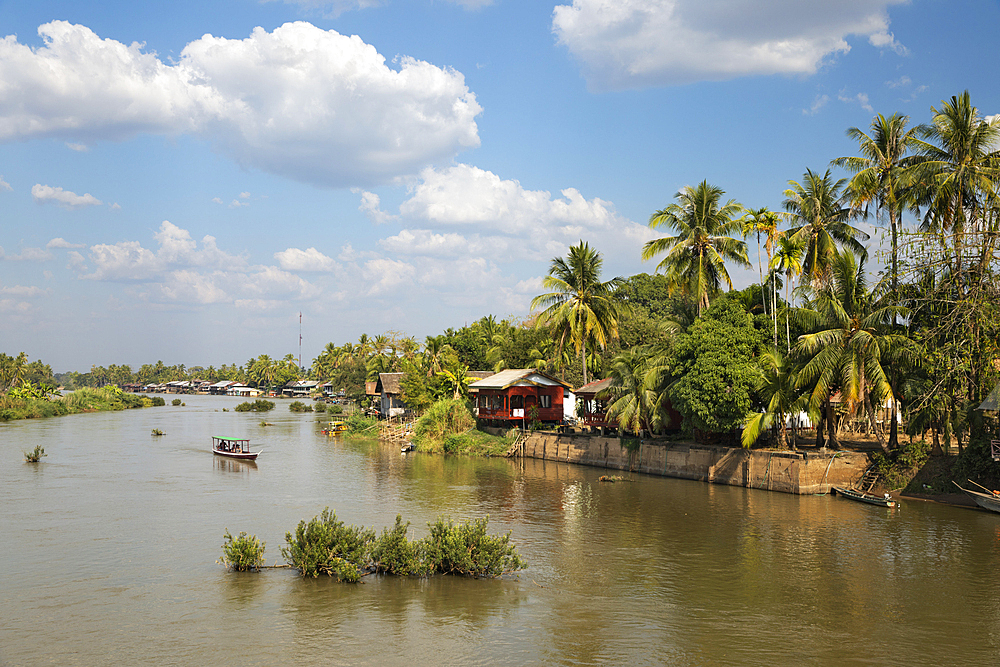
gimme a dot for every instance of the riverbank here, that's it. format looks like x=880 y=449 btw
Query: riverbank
x=87 y=399
x=796 y=472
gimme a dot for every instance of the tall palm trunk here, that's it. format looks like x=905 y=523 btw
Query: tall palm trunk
x=831 y=426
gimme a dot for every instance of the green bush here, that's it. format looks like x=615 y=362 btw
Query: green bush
x=468 y=550
x=36 y=455
x=392 y=553
x=325 y=545
x=358 y=424
x=443 y=419
x=176 y=401
x=242 y=553
x=896 y=472
x=259 y=405
x=158 y=401
x=335 y=409
x=299 y=406
x=320 y=407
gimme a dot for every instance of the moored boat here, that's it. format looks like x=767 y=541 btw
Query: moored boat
x=234 y=448
x=861 y=497
x=988 y=501
x=335 y=428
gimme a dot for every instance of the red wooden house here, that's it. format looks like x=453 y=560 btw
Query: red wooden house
x=510 y=397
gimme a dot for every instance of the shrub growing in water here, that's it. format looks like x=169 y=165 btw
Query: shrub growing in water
x=320 y=407
x=259 y=405
x=326 y=545
x=36 y=455
x=176 y=401
x=467 y=549
x=158 y=401
x=335 y=409
x=299 y=406
x=242 y=553
x=392 y=553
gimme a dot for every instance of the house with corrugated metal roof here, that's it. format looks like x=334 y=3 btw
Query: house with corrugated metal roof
x=517 y=396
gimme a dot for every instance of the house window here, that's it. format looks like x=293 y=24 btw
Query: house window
x=545 y=401
x=516 y=402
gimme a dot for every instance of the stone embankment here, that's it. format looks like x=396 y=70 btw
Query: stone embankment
x=802 y=472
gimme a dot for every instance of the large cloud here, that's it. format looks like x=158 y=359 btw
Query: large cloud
x=483 y=214
x=656 y=42
x=302 y=102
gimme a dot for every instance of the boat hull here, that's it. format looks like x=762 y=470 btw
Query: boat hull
x=243 y=456
x=851 y=494
x=984 y=500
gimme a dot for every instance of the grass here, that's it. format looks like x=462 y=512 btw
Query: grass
x=86 y=399
x=448 y=427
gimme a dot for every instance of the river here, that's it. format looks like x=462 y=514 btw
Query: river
x=108 y=552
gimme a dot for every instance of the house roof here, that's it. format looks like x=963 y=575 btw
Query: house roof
x=482 y=375
x=517 y=376
x=371 y=388
x=302 y=384
x=389 y=382
x=595 y=387
x=992 y=401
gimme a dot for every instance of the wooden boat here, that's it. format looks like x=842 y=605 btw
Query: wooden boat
x=988 y=501
x=335 y=428
x=869 y=498
x=234 y=448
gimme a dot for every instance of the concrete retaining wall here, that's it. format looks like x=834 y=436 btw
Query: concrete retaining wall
x=789 y=472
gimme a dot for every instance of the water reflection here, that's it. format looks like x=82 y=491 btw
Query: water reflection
x=223 y=464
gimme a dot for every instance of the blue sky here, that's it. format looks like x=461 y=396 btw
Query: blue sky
x=179 y=180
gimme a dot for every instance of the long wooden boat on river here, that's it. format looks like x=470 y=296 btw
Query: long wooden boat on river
x=988 y=501
x=234 y=448
x=861 y=497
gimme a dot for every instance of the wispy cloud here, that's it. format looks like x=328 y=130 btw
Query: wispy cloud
x=818 y=103
x=4 y=185
x=63 y=198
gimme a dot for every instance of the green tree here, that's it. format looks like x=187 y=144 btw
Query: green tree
x=776 y=386
x=820 y=223
x=580 y=308
x=695 y=260
x=880 y=174
x=850 y=341
x=788 y=260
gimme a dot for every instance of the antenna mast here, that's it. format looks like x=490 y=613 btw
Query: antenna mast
x=300 y=341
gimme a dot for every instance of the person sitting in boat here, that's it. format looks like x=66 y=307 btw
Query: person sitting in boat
x=887 y=496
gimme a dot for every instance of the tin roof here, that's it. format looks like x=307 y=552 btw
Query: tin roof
x=594 y=387
x=515 y=376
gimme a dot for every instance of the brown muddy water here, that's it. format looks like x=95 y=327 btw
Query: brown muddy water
x=108 y=554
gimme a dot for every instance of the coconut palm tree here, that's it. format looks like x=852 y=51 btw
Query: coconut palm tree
x=776 y=385
x=580 y=309
x=850 y=343
x=819 y=221
x=635 y=401
x=788 y=260
x=695 y=260
x=881 y=174
x=958 y=166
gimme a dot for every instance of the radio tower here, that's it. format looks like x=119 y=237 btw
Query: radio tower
x=300 y=341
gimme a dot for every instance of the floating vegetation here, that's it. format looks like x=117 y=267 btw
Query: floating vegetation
x=264 y=422
x=613 y=479
x=36 y=455
x=259 y=405
x=157 y=431
x=326 y=545
x=242 y=553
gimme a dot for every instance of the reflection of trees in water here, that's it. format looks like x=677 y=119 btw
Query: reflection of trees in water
x=419 y=621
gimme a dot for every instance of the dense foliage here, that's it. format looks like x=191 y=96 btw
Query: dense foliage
x=242 y=553
x=259 y=405
x=326 y=545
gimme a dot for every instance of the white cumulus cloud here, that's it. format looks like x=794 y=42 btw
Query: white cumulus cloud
x=294 y=259
x=4 y=185
x=642 y=43
x=63 y=198
x=281 y=101
x=60 y=242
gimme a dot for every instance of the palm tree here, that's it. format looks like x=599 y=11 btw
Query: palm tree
x=787 y=259
x=850 y=344
x=957 y=168
x=638 y=389
x=880 y=174
x=776 y=385
x=696 y=257
x=816 y=207
x=580 y=308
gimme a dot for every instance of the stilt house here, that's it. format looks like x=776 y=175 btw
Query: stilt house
x=510 y=397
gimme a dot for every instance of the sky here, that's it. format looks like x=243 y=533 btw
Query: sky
x=179 y=180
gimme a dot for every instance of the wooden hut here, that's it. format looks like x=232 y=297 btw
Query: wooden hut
x=593 y=410
x=510 y=397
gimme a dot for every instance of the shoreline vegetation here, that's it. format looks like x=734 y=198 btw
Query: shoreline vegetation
x=85 y=399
